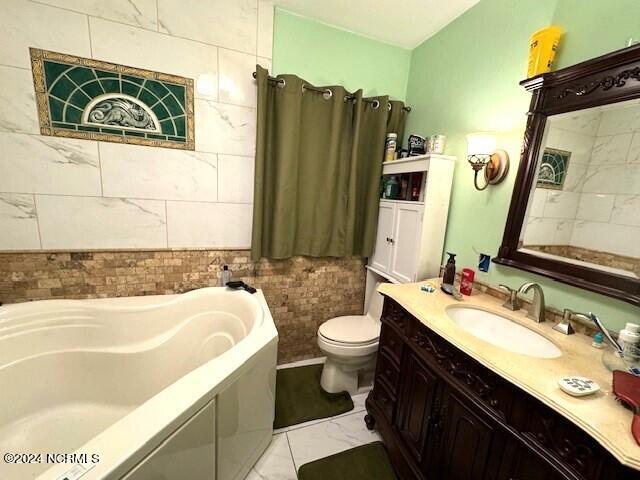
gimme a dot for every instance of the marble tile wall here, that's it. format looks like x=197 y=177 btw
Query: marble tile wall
x=608 y=218
x=63 y=194
x=599 y=206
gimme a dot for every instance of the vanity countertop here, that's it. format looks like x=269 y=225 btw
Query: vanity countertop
x=599 y=414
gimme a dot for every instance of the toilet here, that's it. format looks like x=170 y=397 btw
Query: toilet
x=350 y=344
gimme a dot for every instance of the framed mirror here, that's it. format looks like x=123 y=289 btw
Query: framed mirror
x=575 y=210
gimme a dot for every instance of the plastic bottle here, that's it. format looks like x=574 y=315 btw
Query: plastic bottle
x=392 y=187
x=450 y=269
x=597 y=340
x=390 y=147
x=629 y=339
x=226 y=276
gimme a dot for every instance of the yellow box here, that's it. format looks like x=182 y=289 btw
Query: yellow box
x=543 y=46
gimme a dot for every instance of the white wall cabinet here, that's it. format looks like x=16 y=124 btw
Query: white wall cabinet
x=410 y=235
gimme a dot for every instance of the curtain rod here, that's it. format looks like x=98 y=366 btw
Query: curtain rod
x=324 y=91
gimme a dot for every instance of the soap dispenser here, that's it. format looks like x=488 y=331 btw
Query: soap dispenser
x=450 y=269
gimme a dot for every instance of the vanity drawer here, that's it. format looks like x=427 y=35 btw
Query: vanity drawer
x=387 y=372
x=391 y=343
x=384 y=400
x=394 y=315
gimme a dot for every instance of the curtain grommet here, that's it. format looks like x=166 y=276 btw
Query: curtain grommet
x=281 y=83
x=327 y=94
x=376 y=104
x=303 y=88
x=389 y=106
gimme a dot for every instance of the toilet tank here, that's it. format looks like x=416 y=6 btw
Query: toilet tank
x=374 y=302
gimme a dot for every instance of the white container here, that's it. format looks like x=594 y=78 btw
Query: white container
x=629 y=339
x=436 y=144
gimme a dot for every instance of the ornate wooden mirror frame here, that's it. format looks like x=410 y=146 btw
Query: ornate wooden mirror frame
x=611 y=78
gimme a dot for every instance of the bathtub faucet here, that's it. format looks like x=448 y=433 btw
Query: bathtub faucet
x=239 y=284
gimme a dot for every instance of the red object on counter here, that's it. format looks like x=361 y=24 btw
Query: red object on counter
x=466 y=284
x=626 y=387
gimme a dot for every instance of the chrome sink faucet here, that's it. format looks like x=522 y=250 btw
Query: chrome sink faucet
x=537 y=310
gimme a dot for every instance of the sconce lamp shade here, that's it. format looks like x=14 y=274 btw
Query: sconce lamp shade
x=480 y=144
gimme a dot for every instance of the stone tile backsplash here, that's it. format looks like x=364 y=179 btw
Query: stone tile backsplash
x=301 y=292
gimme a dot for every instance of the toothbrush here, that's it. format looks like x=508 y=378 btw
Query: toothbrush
x=605 y=332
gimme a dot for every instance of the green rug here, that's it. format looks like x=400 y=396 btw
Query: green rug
x=366 y=462
x=300 y=398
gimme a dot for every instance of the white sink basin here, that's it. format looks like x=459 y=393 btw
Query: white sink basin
x=502 y=332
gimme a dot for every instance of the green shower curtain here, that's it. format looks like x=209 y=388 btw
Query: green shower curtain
x=318 y=167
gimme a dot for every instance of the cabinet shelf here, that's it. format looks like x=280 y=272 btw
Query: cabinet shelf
x=419 y=163
x=410 y=202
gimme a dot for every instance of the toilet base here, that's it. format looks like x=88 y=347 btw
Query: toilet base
x=340 y=375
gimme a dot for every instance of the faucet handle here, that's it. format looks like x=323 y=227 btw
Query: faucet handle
x=564 y=326
x=513 y=302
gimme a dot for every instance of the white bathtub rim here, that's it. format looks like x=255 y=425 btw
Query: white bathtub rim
x=121 y=449
x=102 y=304
x=126 y=349
x=17 y=312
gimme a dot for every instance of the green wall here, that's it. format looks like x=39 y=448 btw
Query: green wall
x=465 y=79
x=594 y=27
x=325 y=55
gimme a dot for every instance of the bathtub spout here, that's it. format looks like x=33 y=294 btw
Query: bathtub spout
x=237 y=284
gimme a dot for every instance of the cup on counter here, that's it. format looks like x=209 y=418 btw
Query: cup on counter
x=466 y=281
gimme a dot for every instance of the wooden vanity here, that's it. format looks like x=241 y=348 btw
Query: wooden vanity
x=444 y=415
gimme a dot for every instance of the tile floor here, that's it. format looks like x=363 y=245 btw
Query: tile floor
x=294 y=446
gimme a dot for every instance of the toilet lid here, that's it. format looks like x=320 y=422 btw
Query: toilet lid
x=353 y=329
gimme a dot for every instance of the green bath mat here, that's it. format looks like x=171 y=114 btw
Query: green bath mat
x=361 y=463
x=300 y=398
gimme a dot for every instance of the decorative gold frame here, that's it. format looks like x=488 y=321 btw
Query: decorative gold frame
x=37 y=67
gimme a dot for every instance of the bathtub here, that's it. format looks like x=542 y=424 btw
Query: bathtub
x=157 y=387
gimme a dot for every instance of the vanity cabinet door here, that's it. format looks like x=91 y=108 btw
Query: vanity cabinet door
x=417 y=405
x=406 y=242
x=381 y=258
x=465 y=439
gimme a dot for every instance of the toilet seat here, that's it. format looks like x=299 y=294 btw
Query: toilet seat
x=351 y=330
x=329 y=341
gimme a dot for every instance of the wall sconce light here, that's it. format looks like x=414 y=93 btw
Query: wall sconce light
x=482 y=155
